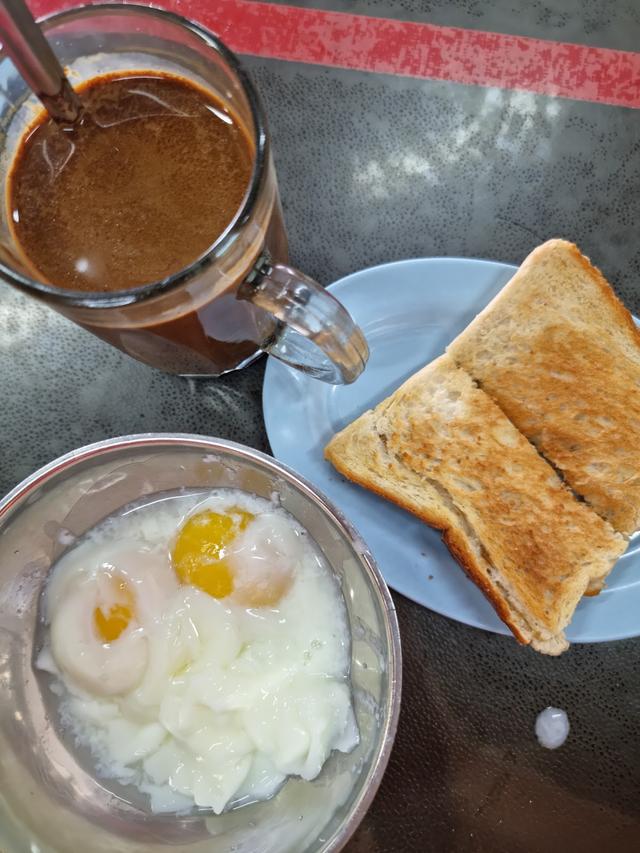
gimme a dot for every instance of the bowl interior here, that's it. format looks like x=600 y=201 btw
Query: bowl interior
x=46 y=797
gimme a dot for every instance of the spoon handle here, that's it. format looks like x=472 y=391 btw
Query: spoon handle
x=32 y=55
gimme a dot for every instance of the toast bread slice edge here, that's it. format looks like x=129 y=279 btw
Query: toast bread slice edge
x=591 y=308
x=450 y=522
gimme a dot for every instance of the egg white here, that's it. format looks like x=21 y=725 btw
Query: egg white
x=201 y=700
x=265 y=555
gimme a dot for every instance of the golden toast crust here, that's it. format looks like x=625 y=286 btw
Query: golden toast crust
x=560 y=355
x=440 y=448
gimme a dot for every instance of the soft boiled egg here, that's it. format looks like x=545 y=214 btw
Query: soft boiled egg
x=236 y=553
x=99 y=623
x=203 y=650
x=202 y=546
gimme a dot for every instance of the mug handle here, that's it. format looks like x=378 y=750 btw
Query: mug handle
x=316 y=334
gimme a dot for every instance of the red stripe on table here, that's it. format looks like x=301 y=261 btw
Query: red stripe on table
x=414 y=50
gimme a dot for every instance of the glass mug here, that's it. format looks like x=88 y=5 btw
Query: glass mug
x=240 y=297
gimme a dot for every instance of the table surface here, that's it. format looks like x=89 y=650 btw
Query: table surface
x=375 y=167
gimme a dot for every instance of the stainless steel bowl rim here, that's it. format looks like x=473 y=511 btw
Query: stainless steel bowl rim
x=394 y=664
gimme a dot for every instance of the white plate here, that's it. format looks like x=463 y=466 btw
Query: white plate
x=409 y=311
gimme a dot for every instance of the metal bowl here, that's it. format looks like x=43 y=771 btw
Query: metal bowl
x=48 y=801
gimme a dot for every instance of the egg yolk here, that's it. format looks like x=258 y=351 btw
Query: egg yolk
x=200 y=549
x=112 y=621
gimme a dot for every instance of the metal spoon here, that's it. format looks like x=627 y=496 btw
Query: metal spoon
x=32 y=55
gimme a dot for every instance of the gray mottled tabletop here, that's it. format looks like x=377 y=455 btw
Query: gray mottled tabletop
x=374 y=168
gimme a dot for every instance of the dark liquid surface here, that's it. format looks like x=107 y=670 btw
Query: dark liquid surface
x=138 y=191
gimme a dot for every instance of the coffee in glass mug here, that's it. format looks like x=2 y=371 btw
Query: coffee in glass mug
x=154 y=221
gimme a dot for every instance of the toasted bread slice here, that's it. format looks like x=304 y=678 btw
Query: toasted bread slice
x=442 y=449
x=560 y=354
